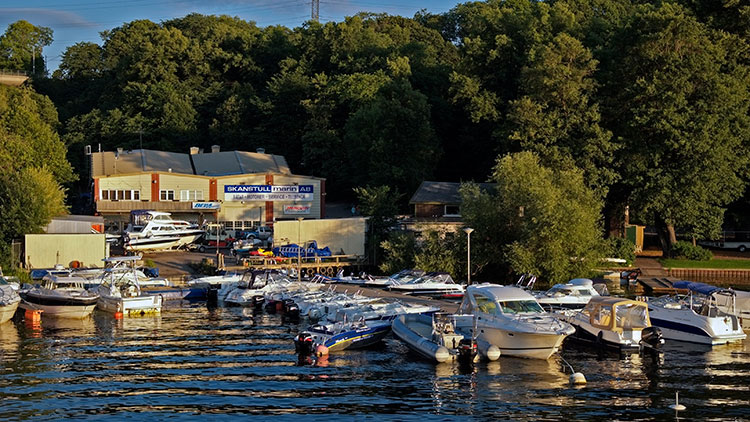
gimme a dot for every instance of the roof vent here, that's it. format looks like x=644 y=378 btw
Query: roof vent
x=215 y=148
x=119 y=151
x=194 y=150
x=261 y=150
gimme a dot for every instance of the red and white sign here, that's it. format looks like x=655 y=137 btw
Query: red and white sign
x=297 y=209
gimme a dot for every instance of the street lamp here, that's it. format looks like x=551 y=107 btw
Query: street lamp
x=299 y=249
x=468 y=231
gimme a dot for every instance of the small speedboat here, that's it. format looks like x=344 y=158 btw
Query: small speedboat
x=120 y=291
x=695 y=318
x=434 y=284
x=574 y=294
x=9 y=300
x=61 y=296
x=341 y=335
x=403 y=276
x=511 y=319
x=249 y=290
x=614 y=323
x=435 y=338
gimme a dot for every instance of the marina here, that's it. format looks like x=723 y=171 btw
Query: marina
x=191 y=361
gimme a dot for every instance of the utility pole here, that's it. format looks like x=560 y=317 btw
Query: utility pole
x=315 y=13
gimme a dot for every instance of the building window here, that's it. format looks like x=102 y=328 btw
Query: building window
x=166 y=195
x=121 y=195
x=452 y=211
x=191 y=195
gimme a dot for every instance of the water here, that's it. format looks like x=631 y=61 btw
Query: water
x=191 y=363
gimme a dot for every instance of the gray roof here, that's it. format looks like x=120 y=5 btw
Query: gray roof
x=110 y=163
x=442 y=193
x=238 y=162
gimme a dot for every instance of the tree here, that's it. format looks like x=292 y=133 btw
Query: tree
x=539 y=220
x=441 y=251
x=398 y=252
x=557 y=117
x=679 y=101
x=21 y=47
x=380 y=204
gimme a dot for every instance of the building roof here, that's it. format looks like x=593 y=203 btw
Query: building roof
x=110 y=163
x=442 y=193
x=238 y=162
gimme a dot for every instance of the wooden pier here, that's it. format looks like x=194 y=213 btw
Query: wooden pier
x=310 y=266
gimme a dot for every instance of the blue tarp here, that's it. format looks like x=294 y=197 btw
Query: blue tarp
x=702 y=288
x=292 y=251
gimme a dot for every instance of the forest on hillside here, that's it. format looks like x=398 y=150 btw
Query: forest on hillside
x=649 y=100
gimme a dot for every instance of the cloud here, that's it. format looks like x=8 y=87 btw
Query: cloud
x=46 y=17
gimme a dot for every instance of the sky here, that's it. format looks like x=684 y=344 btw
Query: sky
x=82 y=20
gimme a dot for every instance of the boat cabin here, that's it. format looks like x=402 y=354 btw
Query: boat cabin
x=616 y=314
x=499 y=300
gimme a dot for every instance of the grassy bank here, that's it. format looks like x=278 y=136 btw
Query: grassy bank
x=718 y=264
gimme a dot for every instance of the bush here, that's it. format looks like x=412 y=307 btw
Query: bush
x=686 y=250
x=620 y=247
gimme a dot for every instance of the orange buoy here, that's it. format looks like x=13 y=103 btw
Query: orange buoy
x=118 y=315
x=33 y=315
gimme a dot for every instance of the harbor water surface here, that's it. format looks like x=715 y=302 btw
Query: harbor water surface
x=192 y=362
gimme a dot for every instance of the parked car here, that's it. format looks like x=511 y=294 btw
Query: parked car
x=262 y=233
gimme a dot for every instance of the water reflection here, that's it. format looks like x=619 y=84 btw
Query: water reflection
x=192 y=360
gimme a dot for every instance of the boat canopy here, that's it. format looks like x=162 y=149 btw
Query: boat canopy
x=628 y=314
x=694 y=286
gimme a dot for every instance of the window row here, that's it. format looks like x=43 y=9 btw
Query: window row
x=121 y=195
x=164 y=195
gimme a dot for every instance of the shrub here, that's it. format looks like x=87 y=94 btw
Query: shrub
x=620 y=247
x=686 y=250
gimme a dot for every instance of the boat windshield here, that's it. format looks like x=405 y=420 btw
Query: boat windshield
x=521 y=307
x=631 y=315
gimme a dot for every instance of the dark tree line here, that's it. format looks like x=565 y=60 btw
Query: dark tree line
x=647 y=99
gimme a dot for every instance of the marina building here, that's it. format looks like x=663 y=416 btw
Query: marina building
x=236 y=188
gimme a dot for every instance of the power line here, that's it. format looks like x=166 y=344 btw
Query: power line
x=315 y=13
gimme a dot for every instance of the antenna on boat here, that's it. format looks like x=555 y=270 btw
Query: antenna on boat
x=576 y=378
x=677 y=406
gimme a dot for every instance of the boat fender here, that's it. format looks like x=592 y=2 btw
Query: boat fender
x=321 y=350
x=490 y=351
x=577 y=378
x=442 y=354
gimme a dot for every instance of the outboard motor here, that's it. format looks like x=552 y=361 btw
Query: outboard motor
x=467 y=351
x=291 y=309
x=651 y=340
x=271 y=306
x=212 y=296
x=303 y=344
x=258 y=302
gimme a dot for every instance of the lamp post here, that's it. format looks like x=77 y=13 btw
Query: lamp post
x=299 y=249
x=468 y=231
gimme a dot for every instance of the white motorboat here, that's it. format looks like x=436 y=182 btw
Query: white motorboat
x=431 y=284
x=615 y=323
x=379 y=310
x=61 y=296
x=150 y=243
x=695 y=318
x=249 y=291
x=136 y=274
x=574 y=294
x=120 y=292
x=147 y=224
x=511 y=319
x=435 y=338
x=341 y=335
x=401 y=277
x=9 y=300
x=730 y=301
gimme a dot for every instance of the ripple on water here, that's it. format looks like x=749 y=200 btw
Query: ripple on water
x=191 y=361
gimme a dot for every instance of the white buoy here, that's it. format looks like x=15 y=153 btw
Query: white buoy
x=577 y=378
x=677 y=406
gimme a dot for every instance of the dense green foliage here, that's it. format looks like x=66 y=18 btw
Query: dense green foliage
x=622 y=248
x=539 y=220
x=686 y=250
x=643 y=104
x=32 y=164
